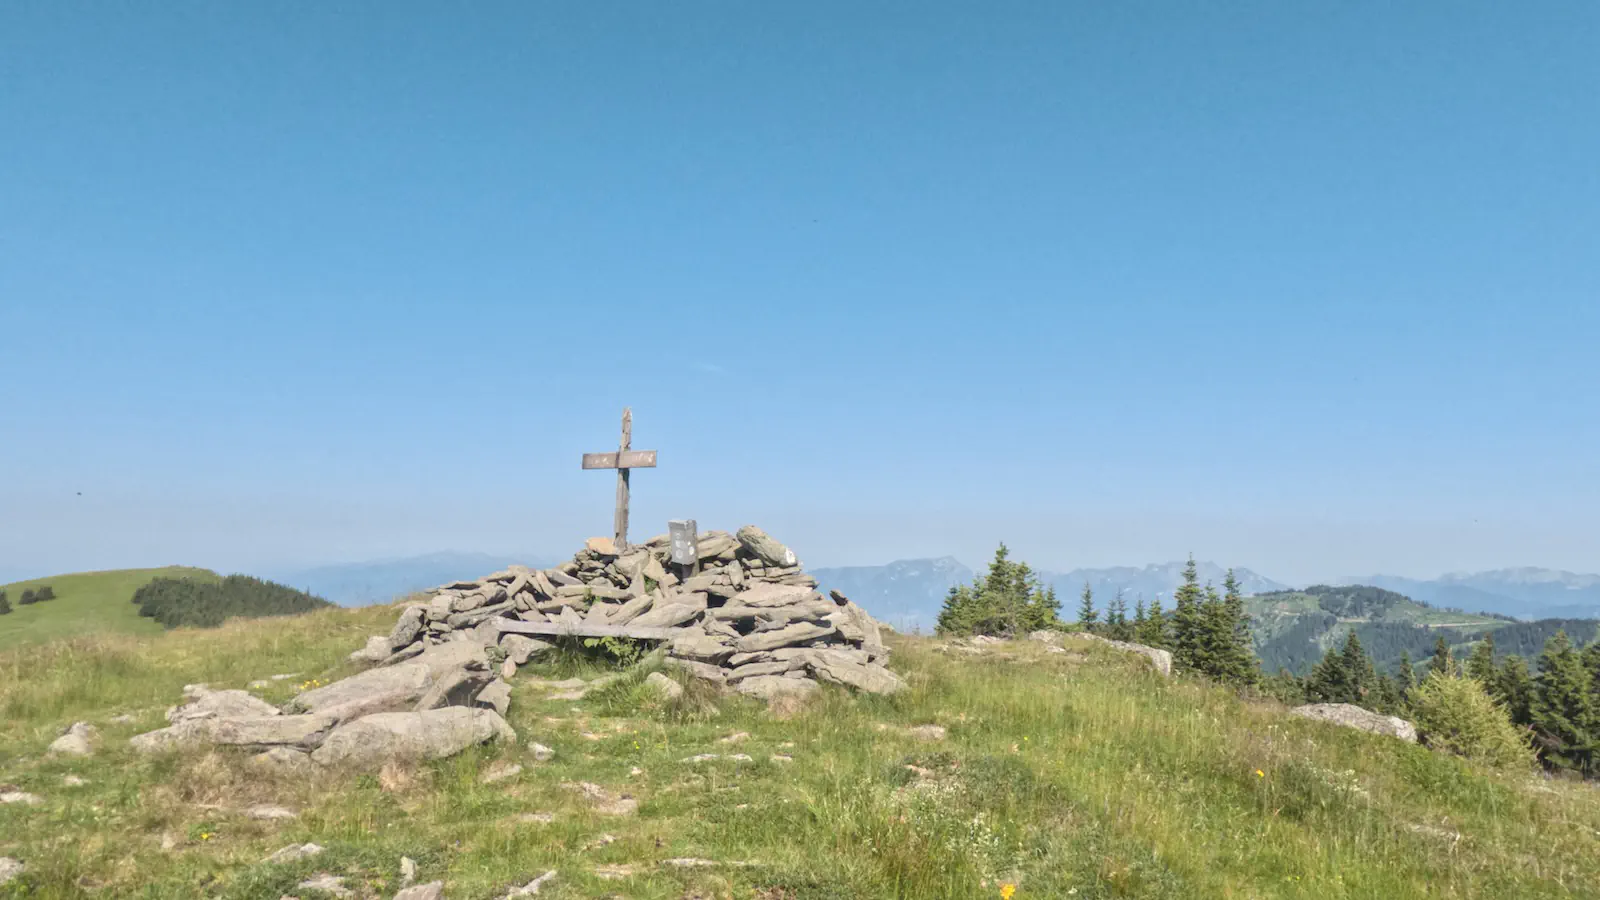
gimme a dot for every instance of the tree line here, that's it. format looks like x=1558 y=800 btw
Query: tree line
x=1499 y=714
x=28 y=598
x=1208 y=632
x=1552 y=709
x=187 y=602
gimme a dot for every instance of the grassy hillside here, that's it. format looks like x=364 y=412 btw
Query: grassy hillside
x=1294 y=628
x=1074 y=774
x=85 y=603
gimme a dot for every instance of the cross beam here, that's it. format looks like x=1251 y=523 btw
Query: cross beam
x=622 y=460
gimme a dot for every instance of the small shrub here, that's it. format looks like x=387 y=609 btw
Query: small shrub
x=1456 y=715
x=28 y=597
x=5 y=603
x=44 y=593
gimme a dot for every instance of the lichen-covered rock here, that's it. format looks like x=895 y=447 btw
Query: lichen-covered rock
x=77 y=740
x=768 y=687
x=1160 y=659
x=762 y=546
x=433 y=734
x=1351 y=716
x=206 y=703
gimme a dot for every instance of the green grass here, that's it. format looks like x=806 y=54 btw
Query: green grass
x=85 y=603
x=1075 y=774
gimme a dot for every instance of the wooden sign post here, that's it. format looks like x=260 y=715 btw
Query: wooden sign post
x=622 y=460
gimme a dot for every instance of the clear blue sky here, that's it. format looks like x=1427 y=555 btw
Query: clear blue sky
x=1312 y=288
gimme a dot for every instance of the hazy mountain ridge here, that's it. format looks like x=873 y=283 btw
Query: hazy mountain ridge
x=1151 y=581
x=383 y=581
x=905 y=593
x=1525 y=592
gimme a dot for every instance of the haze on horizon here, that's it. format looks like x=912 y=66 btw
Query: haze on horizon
x=1313 y=292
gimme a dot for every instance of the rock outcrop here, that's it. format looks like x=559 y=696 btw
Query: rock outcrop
x=1351 y=716
x=1160 y=659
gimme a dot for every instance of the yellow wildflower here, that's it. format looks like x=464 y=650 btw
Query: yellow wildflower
x=1260 y=774
x=1007 y=891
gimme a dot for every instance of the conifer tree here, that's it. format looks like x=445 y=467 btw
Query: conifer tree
x=1242 y=665
x=1514 y=687
x=5 y=603
x=1188 y=627
x=1156 y=631
x=27 y=597
x=1117 y=627
x=1138 y=617
x=1441 y=661
x=1005 y=601
x=1480 y=663
x=1564 y=716
x=1088 y=617
x=1405 y=677
x=1591 y=663
x=1343 y=676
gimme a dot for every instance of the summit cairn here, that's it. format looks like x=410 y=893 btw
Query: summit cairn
x=744 y=614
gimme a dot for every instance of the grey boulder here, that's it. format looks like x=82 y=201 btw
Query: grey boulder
x=77 y=740
x=207 y=703
x=762 y=546
x=1351 y=716
x=432 y=734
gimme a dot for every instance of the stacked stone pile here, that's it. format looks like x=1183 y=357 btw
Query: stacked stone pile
x=746 y=615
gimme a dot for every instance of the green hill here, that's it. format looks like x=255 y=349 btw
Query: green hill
x=1079 y=774
x=1293 y=628
x=85 y=603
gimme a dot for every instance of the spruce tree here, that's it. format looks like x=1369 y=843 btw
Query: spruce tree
x=1088 y=617
x=1591 y=663
x=27 y=597
x=1188 y=626
x=1138 y=618
x=1007 y=600
x=5 y=603
x=1343 y=676
x=1441 y=661
x=1480 y=663
x=1564 y=715
x=1117 y=627
x=1514 y=687
x=1243 y=666
x=1156 y=631
x=1405 y=677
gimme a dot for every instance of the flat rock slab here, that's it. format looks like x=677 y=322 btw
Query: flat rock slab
x=260 y=732
x=433 y=890
x=431 y=734
x=408 y=679
x=768 y=687
x=210 y=704
x=1351 y=716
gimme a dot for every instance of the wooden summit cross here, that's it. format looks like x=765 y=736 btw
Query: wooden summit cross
x=622 y=460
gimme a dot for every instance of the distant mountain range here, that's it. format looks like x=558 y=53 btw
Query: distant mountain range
x=1525 y=593
x=383 y=581
x=908 y=593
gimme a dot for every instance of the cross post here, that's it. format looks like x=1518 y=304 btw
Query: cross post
x=622 y=460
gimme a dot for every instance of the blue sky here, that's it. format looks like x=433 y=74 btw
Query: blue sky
x=1309 y=288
